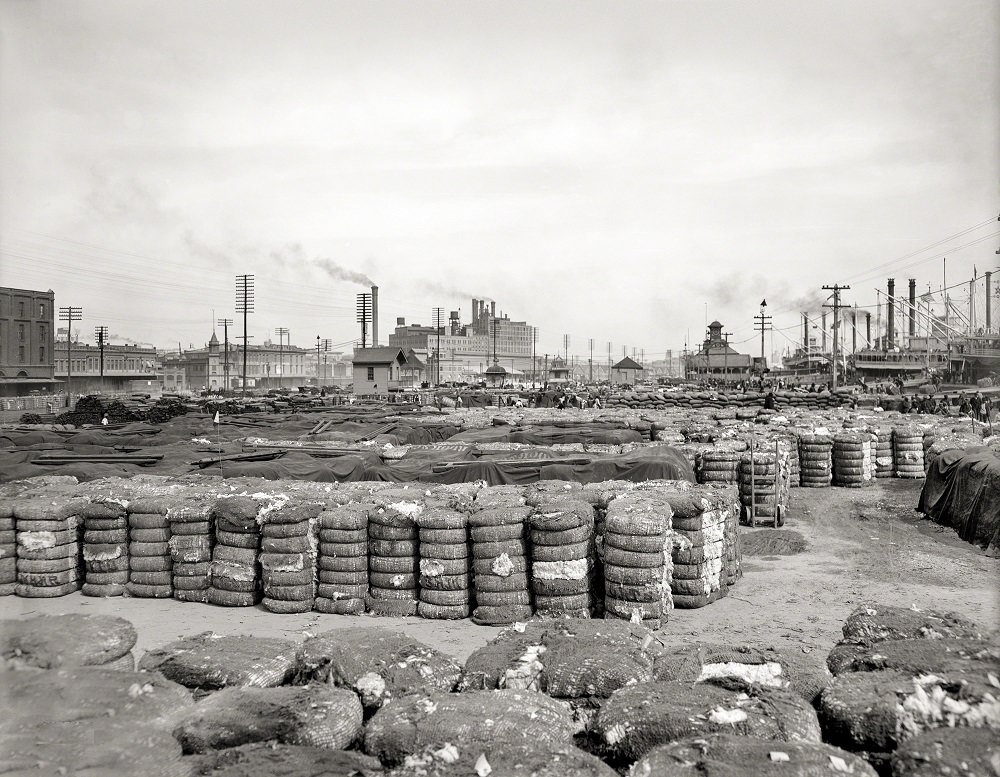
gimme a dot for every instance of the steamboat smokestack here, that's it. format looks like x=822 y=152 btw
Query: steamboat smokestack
x=805 y=332
x=989 y=294
x=890 y=315
x=913 y=307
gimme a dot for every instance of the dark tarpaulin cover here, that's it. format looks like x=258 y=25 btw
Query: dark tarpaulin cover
x=962 y=490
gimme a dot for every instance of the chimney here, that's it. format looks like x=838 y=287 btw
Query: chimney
x=374 y=316
x=890 y=314
x=823 y=342
x=475 y=309
x=805 y=331
x=493 y=309
x=989 y=293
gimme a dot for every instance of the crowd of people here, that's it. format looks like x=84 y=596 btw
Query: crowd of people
x=976 y=406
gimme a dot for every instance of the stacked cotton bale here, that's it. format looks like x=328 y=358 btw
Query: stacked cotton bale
x=288 y=558
x=718 y=466
x=394 y=553
x=884 y=463
x=706 y=558
x=190 y=545
x=105 y=538
x=562 y=558
x=445 y=581
x=908 y=450
x=637 y=550
x=500 y=565
x=853 y=466
x=342 y=561
x=815 y=460
x=48 y=549
x=8 y=550
x=150 y=565
x=788 y=445
x=764 y=486
x=234 y=576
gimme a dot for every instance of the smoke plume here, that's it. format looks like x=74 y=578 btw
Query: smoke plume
x=339 y=273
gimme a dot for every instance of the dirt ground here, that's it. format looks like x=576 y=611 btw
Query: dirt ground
x=860 y=545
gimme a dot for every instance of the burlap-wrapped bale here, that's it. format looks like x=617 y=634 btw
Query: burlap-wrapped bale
x=105 y=537
x=234 y=578
x=499 y=532
x=414 y=723
x=393 y=553
x=923 y=656
x=573 y=658
x=267 y=759
x=853 y=465
x=908 y=451
x=378 y=664
x=510 y=760
x=445 y=579
x=563 y=556
x=755 y=665
x=815 y=460
x=974 y=752
x=209 y=661
x=316 y=715
x=190 y=544
x=52 y=641
x=150 y=564
x=870 y=713
x=636 y=719
x=637 y=551
x=731 y=754
x=871 y=623
x=95 y=693
x=119 y=747
x=49 y=562
x=342 y=559
x=288 y=579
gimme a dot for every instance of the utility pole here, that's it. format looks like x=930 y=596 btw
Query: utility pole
x=591 y=359
x=225 y=323
x=763 y=323
x=836 y=289
x=102 y=338
x=609 y=362
x=725 y=358
x=69 y=315
x=566 y=348
x=534 y=342
x=244 y=303
x=438 y=315
x=325 y=343
x=364 y=311
x=281 y=332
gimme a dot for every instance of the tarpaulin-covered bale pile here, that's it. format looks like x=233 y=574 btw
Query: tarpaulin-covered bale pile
x=962 y=490
x=903 y=673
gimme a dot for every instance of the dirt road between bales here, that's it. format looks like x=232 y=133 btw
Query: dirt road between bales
x=839 y=547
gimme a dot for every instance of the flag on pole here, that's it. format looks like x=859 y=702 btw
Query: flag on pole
x=216 y=419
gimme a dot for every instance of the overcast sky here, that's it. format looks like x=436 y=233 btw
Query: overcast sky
x=620 y=171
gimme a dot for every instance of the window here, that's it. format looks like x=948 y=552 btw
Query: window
x=20 y=333
x=20 y=354
x=371 y=373
x=41 y=353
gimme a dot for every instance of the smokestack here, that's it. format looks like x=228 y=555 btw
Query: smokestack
x=913 y=307
x=823 y=344
x=868 y=328
x=890 y=314
x=805 y=331
x=493 y=309
x=989 y=293
x=475 y=309
x=374 y=316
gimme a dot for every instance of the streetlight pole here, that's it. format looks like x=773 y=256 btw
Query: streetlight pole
x=317 y=361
